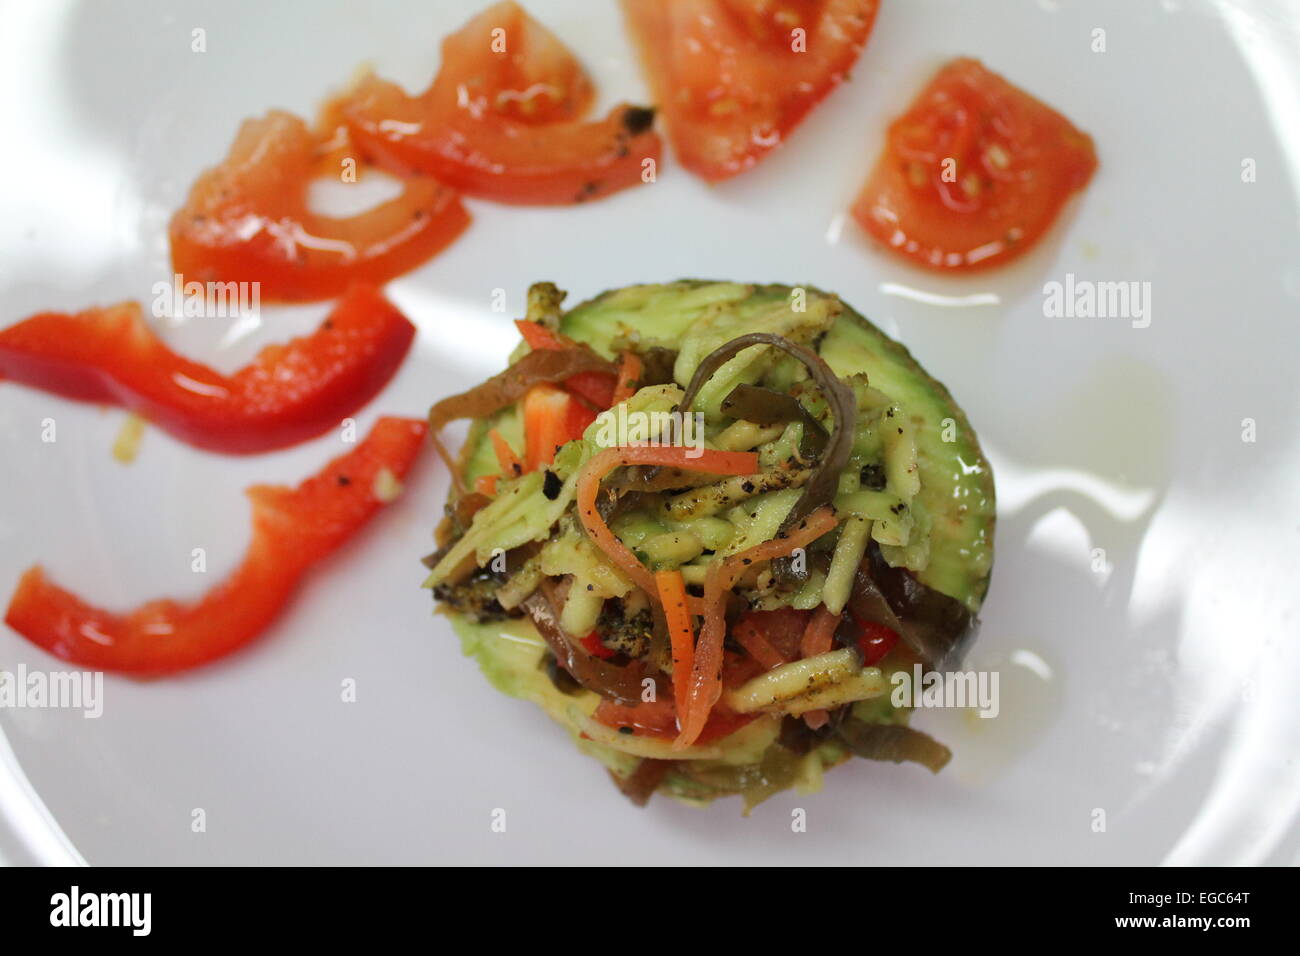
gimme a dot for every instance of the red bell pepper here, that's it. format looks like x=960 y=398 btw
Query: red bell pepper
x=288 y=394
x=292 y=529
x=875 y=641
x=595 y=648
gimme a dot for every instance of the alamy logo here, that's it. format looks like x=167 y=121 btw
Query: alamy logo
x=75 y=908
x=1086 y=299
x=926 y=690
x=55 y=690
x=206 y=300
x=618 y=426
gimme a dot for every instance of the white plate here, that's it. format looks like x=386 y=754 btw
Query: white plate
x=1160 y=690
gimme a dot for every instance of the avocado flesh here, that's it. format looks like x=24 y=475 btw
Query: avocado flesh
x=956 y=487
x=956 y=481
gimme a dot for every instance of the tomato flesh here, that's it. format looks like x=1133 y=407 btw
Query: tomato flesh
x=734 y=77
x=247 y=220
x=502 y=119
x=293 y=528
x=974 y=173
x=288 y=394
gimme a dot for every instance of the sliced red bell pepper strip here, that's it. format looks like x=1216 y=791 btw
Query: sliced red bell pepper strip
x=248 y=220
x=591 y=643
x=875 y=641
x=292 y=529
x=288 y=394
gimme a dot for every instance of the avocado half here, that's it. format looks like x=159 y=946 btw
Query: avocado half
x=956 y=487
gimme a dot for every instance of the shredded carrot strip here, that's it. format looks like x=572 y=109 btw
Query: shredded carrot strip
x=671 y=456
x=510 y=464
x=539 y=336
x=630 y=371
x=487 y=485
x=706 y=683
x=681 y=632
x=819 y=635
x=818 y=638
x=758 y=646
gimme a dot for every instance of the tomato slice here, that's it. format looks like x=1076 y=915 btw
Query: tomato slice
x=247 y=220
x=293 y=528
x=501 y=120
x=734 y=78
x=974 y=173
x=288 y=394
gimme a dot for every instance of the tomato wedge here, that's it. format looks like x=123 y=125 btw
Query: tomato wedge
x=974 y=173
x=734 y=77
x=288 y=394
x=502 y=119
x=247 y=220
x=293 y=528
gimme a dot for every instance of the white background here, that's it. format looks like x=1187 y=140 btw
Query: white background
x=1161 y=691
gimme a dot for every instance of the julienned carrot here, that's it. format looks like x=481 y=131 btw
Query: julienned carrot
x=818 y=638
x=681 y=632
x=706 y=681
x=669 y=456
x=819 y=635
x=510 y=464
x=758 y=646
x=630 y=371
x=539 y=336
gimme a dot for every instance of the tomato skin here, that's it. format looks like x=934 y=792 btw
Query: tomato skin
x=289 y=393
x=463 y=133
x=1017 y=162
x=293 y=528
x=728 y=77
x=247 y=220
